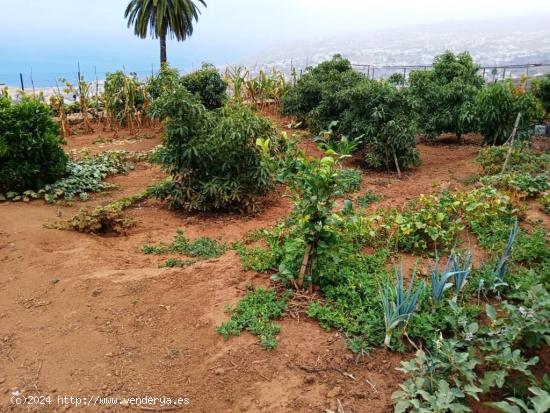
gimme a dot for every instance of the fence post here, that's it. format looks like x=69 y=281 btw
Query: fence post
x=21 y=79
x=79 y=78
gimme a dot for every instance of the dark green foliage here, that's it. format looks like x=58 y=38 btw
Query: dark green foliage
x=208 y=85
x=313 y=88
x=254 y=313
x=352 y=302
x=377 y=112
x=444 y=96
x=524 y=184
x=212 y=156
x=542 y=91
x=202 y=247
x=532 y=247
x=383 y=116
x=497 y=106
x=166 y=80
x=30 y=146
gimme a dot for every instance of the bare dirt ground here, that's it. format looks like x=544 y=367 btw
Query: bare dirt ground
x=84 y=315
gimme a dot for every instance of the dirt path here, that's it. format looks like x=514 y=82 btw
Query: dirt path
x=84 y=315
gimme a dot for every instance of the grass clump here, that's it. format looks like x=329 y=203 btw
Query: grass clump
x=254 y=313
x=176 y=263
x=203 y=247
x=368 y=198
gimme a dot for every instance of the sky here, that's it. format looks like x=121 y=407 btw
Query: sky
x=51 y=36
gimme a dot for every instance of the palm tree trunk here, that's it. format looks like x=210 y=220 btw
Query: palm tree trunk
x=163 y=59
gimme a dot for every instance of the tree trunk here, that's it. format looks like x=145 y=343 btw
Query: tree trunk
x=163 y=59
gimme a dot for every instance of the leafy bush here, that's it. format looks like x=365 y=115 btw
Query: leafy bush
x=383 y=116
x=167 y=79
x=316 y=85
x=375 y=111
x=497 y=106
x=542 y=90
x=444 y=96
x=30 y=146
x=212 y=156
x=208 y=85
x=254 y=313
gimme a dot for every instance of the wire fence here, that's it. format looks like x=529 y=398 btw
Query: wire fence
x=53 y=82
x=489 y=73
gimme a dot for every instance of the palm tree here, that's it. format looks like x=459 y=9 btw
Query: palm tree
x=161 y=17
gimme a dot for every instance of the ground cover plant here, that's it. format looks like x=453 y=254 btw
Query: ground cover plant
x=254 y=313
x=463 y=360
x=202 y=247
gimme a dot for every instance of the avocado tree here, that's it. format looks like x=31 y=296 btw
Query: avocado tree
x=444 y=96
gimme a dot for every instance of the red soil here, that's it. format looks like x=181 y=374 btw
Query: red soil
x=86 y=315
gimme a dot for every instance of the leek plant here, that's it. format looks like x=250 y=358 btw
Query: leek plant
x=461 y=266
x=499 y=271
x=399 y=304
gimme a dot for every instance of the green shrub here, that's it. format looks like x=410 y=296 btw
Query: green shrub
x=444 y=96
x=164 y=81
x=382 y=115
x=208 y=85
x=212 y=156
x=31 y=155
x=316 y=85
x=497 y=106
x=542 y=91
x=333 y=95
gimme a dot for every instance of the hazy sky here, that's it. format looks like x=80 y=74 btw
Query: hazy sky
x=51 y=35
